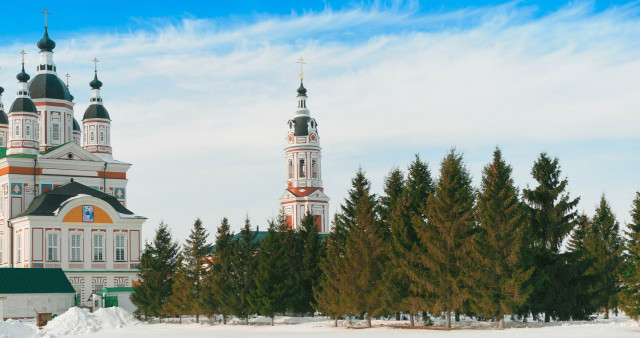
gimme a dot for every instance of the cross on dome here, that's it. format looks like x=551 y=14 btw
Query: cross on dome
x=45 y=12
x=301 y=62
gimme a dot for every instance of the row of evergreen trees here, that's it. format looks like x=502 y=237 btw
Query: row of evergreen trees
x=439 y=247
x=252 y=273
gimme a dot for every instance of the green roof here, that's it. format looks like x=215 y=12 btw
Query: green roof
x=118 y=289
x=34 y=280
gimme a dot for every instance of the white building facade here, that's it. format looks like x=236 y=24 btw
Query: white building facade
x=303 y=159
x=63 y=197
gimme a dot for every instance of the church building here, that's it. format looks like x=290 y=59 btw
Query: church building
x=63 y=196
x=304 y=192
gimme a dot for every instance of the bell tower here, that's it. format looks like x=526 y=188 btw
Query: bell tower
x=303 y=159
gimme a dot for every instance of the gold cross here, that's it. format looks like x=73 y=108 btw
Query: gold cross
x=45 y=12
x=301 y=62
x=95 y=62
x=23 y=53
x=67 y=76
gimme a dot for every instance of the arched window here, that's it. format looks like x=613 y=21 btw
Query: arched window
x=314 y=168
x=301 y=169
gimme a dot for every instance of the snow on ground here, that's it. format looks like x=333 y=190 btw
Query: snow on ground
x=112 y=322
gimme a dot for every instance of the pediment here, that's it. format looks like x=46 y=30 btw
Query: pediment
x=70 y=151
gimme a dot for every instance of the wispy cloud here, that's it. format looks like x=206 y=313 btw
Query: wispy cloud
x=200 y=106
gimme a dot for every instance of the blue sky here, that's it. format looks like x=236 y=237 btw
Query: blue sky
x=200 y=94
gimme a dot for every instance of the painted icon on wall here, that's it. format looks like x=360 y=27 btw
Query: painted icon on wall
x=87 y=213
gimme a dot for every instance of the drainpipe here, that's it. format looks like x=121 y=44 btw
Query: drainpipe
x=35 y=165
x=104 y=175
x=10 y=243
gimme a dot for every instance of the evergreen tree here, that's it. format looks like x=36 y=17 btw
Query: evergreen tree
x=312 y=252
x=446 y=238
x=327 y=293
x=364 y=261
x=270 y=295
x=604 y=245
x=578 y=301
x=630 y=296
x=157 y=267
x=194 y=258
x=244 y=266
x=392 y=212
x=551 y=216
x=406 y=248
x=221 y=274
x=359 y=189
x=499 y=273
x=181 y=300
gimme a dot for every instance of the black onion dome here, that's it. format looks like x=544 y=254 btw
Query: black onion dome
x=46 y=44
x=23 y=105
x=1 y=90
x=96 y=111
x=23 y=76
x=302 y=91
x=4 y=119
x=95 y=83
x=49 y=86
x=76 y=125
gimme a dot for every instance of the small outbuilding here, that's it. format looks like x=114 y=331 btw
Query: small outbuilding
x=30 y=291
x=112 y=297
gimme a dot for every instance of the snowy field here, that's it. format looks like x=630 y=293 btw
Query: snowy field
x=115 y=322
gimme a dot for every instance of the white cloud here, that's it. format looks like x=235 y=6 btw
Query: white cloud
x=200 y=107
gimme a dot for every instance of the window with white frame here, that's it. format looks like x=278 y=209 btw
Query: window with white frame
x=53 y=247
x=19 y=248
x=76 y=247
x=290 y=168
x=98 y=247
x=120 y=247
x=102 y=136
x=27 y=130
x=55 y=132
x=314 y=168
x=17 y=130
x=301 y=169
x=92 y=136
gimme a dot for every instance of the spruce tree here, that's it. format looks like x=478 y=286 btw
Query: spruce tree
x=360 y=186
x=157 y=267
x=181 y=300
x=364 y=261
x=498 y=270
x=194 y=257
x=392 y=213
x=578 y=300
x=630 y=295
x=270 y=295
x=244 y=266
x=406 y=248
x=604 y=245
x=551 y=212
x=446 y=238
x=327 y=293
x=309 y=275
x=221 y=273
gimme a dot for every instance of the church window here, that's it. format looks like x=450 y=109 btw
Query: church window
x=314 y=168
x=92 y=136
x=27 y=130
x=102 y=137
x=120 y=246
x=19 y=248
x=55 y=132
x=98 y=248
x=17 y=129
x=290 y=169
x=52 y=247
x=76 y=247
x=302 y=169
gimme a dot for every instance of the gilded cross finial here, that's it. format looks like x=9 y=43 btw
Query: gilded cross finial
x=95 y=63
x=45 y=12
x=67 y=76
x=23 y=54
x=301 y=62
